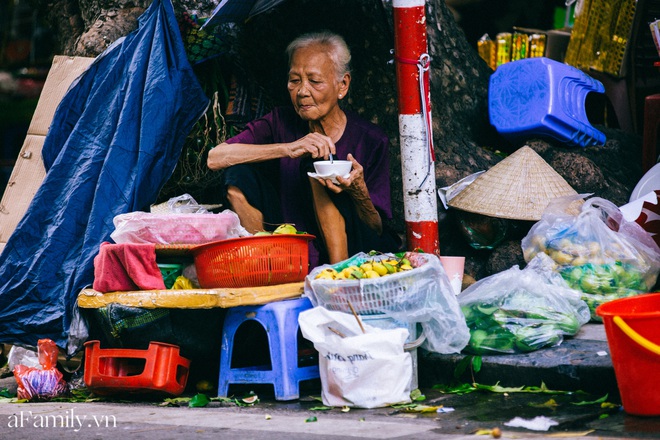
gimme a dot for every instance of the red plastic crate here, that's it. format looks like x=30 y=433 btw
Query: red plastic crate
x=261 y=260
x=159 y=368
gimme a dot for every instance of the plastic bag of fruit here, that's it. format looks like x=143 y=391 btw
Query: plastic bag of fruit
x=596 y=250
x=518 y=311
x=411 y=287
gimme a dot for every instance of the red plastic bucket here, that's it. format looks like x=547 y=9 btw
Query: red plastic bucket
x=632 y=326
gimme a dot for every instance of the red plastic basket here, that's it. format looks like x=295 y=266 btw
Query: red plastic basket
x=158 y=369
x=262 y=260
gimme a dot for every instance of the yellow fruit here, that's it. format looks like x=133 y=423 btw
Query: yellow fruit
x=380 y=269
x=562 y=257
x=371 y=274
x=204 y=385
x=579 y=261
x=594 y=247
x=285 y=229
x=538 y=241
x=390 y=268
x=327 y=274
x=366 y=267
x=406 y=267
x=346 y=272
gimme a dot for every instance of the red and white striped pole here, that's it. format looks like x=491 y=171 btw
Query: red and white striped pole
x=417 y=155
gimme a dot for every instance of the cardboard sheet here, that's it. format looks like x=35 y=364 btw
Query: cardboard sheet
x=28 y=172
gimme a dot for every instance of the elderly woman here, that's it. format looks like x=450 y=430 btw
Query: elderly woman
x=265 y=166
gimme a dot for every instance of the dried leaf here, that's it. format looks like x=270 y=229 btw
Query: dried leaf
x=552 y=404
x=421 y=408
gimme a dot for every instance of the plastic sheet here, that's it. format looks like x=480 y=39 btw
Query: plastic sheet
x=422 y=295
x=115 y=139
x=596 y=250
x=145 y=227
x=517 y=311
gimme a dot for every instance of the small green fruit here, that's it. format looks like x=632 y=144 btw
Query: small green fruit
x=285 y=229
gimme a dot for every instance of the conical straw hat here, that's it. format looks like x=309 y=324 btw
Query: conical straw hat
x=518 y=187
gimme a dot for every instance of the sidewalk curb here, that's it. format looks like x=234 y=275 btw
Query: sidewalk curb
x=576 y=364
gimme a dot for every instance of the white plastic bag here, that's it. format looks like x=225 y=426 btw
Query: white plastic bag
x=362 y=370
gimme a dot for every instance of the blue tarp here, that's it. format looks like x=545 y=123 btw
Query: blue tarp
x=114 y=142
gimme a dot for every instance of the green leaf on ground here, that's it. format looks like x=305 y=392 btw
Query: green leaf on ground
x=465 y=388
x=198 y=401
x=417 y=396
x=593 y=402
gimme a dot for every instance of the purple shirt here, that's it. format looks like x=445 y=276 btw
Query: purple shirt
x=367 y=142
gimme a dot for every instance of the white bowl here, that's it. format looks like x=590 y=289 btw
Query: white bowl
x=334 y=168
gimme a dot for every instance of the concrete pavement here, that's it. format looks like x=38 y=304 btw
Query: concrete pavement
x=581 y=363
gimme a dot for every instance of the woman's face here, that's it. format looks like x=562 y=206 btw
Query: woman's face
x=313 y=85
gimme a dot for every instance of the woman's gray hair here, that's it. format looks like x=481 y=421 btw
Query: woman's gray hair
x=335 y=45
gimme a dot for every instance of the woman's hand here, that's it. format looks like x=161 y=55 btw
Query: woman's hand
x=354 y=184
x=225 y=155
x=315 y=145
x=356 y=188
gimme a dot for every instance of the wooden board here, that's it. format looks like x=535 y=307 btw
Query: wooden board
x=191 y=299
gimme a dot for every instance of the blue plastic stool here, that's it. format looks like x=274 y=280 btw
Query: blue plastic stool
x=545 y=98
x=280 y=320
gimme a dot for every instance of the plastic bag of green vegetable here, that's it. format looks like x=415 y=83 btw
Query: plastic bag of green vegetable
x=596 y=250
x=518 y=311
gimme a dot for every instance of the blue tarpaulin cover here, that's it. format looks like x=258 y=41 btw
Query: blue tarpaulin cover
x=114 y=142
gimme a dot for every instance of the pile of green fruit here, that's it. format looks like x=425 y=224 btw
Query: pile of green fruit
x=601 y=272
x=518 y=322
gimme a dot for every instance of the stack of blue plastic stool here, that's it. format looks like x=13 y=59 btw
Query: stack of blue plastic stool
x=280 y=320
x=545 y=98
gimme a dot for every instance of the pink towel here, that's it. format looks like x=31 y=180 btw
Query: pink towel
x=125 y=267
